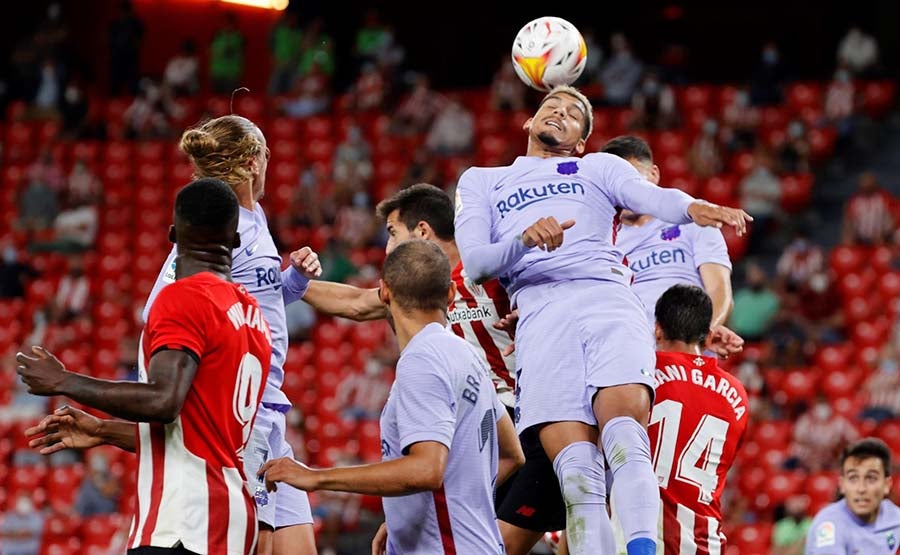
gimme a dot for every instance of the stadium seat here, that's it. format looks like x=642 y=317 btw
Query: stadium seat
x=249 y=106
x=60 y=526
x=878 y=96
x=317 y=127
x=742 y=163
x=889 y=286
x=491 y=122
x=857 y=283
x=799 y=385
x=773 y=117
x=840 y=383
x=821 y=143
x=822 y=488
x=796 y=190
x=687 y=183
x=781 y=485
x=881 y=259
x=846 y=258
x=674 y=166
x=751 y=479
x=753 y=539
x=721 y=189
x=770 y=434
x=860 y=308
x=803 y=95
x=66 y=546
x=830 y=358
x=695 y=97
x=871 y=333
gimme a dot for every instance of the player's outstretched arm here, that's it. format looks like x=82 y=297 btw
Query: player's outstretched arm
x=511 y=455
x=346 y=301
x=295 y=278
x=422 y=469
x=71 y=428
x=159 y=400
x=712 y=215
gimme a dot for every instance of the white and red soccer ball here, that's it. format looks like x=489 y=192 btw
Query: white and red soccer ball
x=547 y=52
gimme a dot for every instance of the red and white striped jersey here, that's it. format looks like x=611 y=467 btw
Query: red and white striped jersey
x=191 y=489
x=472 y=315
x=696 y=426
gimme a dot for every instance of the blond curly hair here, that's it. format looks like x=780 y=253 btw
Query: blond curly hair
x=221 y=148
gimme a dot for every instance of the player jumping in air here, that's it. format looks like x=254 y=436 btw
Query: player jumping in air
x=439 y=427
x=202 y=364
x=585 y=354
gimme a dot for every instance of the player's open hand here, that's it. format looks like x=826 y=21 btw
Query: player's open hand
x=708 y=214
x=290 y=472
x=508 y=323
x=546 y=234
x=42 y=373
x=379 y=542
x=67 y=428
x=724 y=342
x=306 y=261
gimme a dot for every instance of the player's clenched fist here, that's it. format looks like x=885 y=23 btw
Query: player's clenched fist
x=708 y=214
x=546 y=234
x=306 y=261
x=42 y=373
x=290 y=472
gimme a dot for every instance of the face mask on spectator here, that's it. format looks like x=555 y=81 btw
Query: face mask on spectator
x=10 y=255
x=770 y=56
x=888 y=366
x=99 y=465
x=795 y=130
x=842 y=76
x=822 y=411
x=710 y=127
x=741 y=99
x=24 y=506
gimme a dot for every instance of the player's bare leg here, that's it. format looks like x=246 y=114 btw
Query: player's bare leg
x=299 y=539
x=622 y=414
x=572 y=446
x=264 y=539
x=518 y=541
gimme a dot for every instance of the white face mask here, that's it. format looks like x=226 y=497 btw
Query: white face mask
x=24 y=506
x=822 y=411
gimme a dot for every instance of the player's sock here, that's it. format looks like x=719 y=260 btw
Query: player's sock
x=579 y=468
x=635 y=489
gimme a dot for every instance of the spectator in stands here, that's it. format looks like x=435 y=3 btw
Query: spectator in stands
x=705 y=156
x=621 y=72
x=840 y=105
x=767 y=81
x=789 y=533
x=507 y=90
x=819 y=435
x=421 y=169
x=99 y=491
x=14 y=273
x=755 y=305
x=760 y=193
x=299 y=321
x=453 y=130
x=793 y=153
x=417 y=110
x=819 y=303
x=73 y=110
x=882 y=389
x=868 y=218
x=76 y=228
x=125 y=34
x=47 y=169
x=369 y=91
x=673 y=64
x=83 y=186
x=654 y=104
x=354 y=222
x=151 y=113
x=52 y=32
x=317 y=49
x=362 y=394
x=21 y=528
x=48 y=95
x=595 y=58
x=336 y=510
x=858 y=52
x=373 y=39
x=286 y=42
x=788 y=338
x=799 y=261
x=226 y=56
x=38 y=206
x=740 y=120
x=312 y=94
x=182 y=75
x=72 y=293
x=352 y=162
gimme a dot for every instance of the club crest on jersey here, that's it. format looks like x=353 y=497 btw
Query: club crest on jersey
x=670 y=233
x=261 y=496
x=699 y=361
x=891 y=541
x=825 y=534
x=567 y=168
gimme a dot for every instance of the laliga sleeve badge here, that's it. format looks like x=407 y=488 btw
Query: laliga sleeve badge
x=825 y=534
x=169 y=276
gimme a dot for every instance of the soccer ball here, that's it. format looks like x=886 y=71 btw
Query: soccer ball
x=547 y=52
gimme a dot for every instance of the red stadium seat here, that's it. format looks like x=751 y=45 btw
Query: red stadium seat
x=318 y=127
x=803 y=95
x=781 y=485
x=821 y=143
x=320 y=149
x=889 y=431
x=798 y=385
x=491 y=122
x=846 y=258
x=796 y=190
x=62 y=546
x=751 y=479
x=695 y=97
x=88 y=151
x=329 y=335
x=721 y=189
x=249 y=106
x=218 y=106
x=882 y=259
x=61 y=526
x=283 y=128
x=687 y=183
x=860 y=308
x=889 y=286
x=878 y=96
x=773 y=117
x=674 y=166
x=857 y=283
x=694 y=120
x=837 y=384
x=822 y=488
x=774 y=137
x=770 y=434
x=742 y=163
x=753 y=539
x=871 y=333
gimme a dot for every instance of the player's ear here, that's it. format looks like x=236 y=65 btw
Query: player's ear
x=888 y=481
x=451 y=293
x=172 y=237
x=384 y=293
x=237 y=240
x=580 y=146
x=654 y=174
x=527 y=125
x=423 y=230
x=657 y=332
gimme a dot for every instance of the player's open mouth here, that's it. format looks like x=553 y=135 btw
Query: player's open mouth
x=554 y=123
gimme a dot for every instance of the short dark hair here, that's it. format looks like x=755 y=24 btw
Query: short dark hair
x=421 y=203
x=629 y=147
x=206 y=203
x=684 y=313
x=418 y=275
x=870 y=447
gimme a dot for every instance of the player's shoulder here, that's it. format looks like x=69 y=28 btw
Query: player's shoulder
x=833 y=512
x=891 y=511
x=199 y=289
x=827 y=526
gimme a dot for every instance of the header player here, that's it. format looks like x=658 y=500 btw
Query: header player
x=439 y=428
x=233 y=149
x=530 y=503
x=584 y=366
x=202 y=362
x=662 y=254
x=864 y=521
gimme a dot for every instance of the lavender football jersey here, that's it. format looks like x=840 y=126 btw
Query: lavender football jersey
x=662 y=254
x=443 y=392
x=494 y=206
x=837 y=531
x=256 y=265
